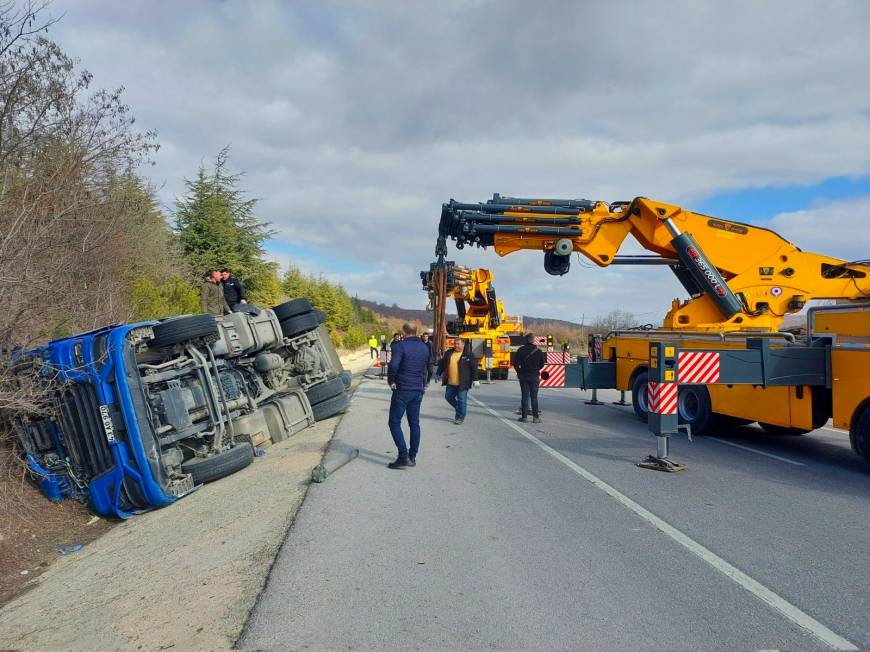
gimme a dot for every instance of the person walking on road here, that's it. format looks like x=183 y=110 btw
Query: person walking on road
x=406 y=375
x=430 y=368
x=458 y=370
x=528 y=361
x=234 y=291
x=373 y=347
x=211 y=295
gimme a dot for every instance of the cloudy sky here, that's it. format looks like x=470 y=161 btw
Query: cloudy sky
x=354 y=121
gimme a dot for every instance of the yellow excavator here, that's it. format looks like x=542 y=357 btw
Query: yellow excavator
x=481 y=318
x=741 y=279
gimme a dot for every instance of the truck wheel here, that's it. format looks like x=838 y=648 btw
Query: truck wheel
x=859 y=433
x=638 y=395
x=325 y=390
x=292 y=308
x=330 y=407
x=181 y=329
x=694 y=408
x=346 y=378
x=781 y=431
x=206 y=469
x=301 y=324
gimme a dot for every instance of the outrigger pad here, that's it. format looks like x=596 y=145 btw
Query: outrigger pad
x=661 y=464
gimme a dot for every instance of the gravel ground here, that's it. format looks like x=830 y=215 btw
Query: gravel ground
x=183 y=577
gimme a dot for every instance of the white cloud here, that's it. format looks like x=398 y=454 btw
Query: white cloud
x=354 y=122
x=836 y=228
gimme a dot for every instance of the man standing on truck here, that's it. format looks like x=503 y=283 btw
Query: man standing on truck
x=528 y=360
x=406 y=375
x=458 y=369
x=234 y=291
x=211 y=295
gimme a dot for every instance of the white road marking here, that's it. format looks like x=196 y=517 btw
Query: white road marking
x=836 y=430
x=755 y=450
x=787 y=609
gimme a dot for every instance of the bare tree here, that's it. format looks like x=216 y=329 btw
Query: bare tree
x=613 y=321
x=67 y=159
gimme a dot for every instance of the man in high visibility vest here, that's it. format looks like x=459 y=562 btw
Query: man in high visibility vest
x=373 y=347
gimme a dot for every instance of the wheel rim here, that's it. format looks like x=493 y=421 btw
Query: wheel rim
x=689 y=406
x=641 y=398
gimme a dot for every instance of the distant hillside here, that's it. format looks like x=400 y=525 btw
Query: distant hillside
x=395 y=312
x=424 y=317
x=562 y=331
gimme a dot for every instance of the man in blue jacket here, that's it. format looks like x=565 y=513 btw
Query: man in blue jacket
x=407 y=377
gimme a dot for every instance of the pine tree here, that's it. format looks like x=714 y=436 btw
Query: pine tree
x=217 y=227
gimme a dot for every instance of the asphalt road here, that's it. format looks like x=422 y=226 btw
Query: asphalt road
x=522 y=536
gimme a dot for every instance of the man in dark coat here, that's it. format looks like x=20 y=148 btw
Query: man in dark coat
x=430 y=368
x=234 y=291
x=458 y=371
x=528 y=361
x=406 y=375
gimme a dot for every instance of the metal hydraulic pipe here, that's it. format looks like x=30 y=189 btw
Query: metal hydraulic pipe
x=644 y=260
x=565 y=232
x=472 y=216
x=515 y=208
x=583 y=204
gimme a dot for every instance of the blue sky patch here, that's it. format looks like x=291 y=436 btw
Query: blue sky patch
x=758 y=204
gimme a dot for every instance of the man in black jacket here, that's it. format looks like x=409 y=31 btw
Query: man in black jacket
x=234 y=291
x=458 y=371
x=407 y=378
x=528 y=361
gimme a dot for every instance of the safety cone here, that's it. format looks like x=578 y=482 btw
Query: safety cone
x=377 y=364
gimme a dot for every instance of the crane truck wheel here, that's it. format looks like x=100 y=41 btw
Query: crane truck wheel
x=694 y=408
x=781 y=431
x=859 y=433
x=638 y=395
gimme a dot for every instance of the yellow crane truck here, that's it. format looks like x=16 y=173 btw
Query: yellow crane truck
x=481 y=318
x=741 y=280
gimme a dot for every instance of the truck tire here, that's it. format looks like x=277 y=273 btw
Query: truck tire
x=206 y=469
x=694 y=408
x=638 y=395
x=859 y=433
x=346 y=378
x=301 y=324
x=181 y=329
x=325 y=390
x=781 y=431
x=292 y=308
x=330 y=407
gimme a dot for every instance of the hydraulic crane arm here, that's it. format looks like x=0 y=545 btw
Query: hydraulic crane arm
x=739 y=276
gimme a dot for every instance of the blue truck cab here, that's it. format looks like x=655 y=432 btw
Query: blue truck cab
x=138 y=415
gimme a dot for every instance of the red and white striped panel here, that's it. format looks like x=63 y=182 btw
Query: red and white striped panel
x=698 y=367
x=558 y=357
x=540 y=340
x=661 y=398
x=556 y=375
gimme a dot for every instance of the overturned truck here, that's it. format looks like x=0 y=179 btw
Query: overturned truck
x=141 y=414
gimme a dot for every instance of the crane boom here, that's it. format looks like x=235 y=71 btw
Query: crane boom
x=739 y=276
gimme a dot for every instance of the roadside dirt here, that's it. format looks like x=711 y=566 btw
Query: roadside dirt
x=185 y=576
x=33 y=528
